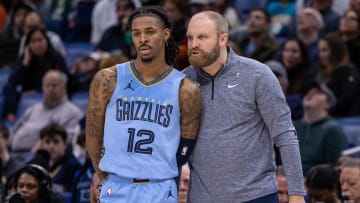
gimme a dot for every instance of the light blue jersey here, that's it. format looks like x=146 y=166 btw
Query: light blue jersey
x=142 y=126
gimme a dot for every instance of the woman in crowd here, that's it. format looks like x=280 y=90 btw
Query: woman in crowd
x=38 y=57
x=340 y=75
x=33 y=185
x=322 y=184
x=295 y=58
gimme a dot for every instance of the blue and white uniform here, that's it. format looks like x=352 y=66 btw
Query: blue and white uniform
x=141 y=138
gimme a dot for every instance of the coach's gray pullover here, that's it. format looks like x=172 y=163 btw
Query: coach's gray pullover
x=244 y=114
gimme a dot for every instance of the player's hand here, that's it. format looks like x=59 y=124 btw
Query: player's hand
x=296 y=199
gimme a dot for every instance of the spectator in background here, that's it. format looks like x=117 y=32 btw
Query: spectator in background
x=83 y=72
x=225 y=8
x=177 y=12
x=34 y=185
x=258 y=44
x=10 y=38
x=196 y=6
x=342 y=77
x=117 y=39
x=79 y=21
x=350 y=180
x=309 y=23
x=55 y=108
x=295 y=58
x=349 y=30
x=331 y=18
x=282 y=185
x=62 y=164
x=32 y=21
x=280 y=72
x=321 y=138
x=282 y=14
x=8 y=165
x=103 y=17
x=38 y=58
x=322 y=184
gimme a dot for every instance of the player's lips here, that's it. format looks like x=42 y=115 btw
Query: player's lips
x=144 y=49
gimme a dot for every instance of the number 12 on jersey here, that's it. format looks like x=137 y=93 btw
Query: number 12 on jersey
x=149 y=138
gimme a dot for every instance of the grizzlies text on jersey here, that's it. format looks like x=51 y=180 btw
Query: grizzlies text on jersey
x=142 y=125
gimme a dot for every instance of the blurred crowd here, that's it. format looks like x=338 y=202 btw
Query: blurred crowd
x=51 y=49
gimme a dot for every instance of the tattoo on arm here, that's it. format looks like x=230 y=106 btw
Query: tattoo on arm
x=190 y=107
x=101 y=90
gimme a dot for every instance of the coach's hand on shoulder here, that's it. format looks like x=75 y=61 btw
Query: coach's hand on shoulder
x=296 y=199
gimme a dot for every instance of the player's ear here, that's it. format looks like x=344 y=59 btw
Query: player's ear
x=167 y=34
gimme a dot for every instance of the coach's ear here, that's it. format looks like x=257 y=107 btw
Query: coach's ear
x=223 y=39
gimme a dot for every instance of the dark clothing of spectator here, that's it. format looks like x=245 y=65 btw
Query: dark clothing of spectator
x=82 y=183
x=114 y=40
x=63 y=172
x=345 y=84
x=264 y=52
x=354 y=50
x=9 y=50
x=29 y=78
x=80 y=22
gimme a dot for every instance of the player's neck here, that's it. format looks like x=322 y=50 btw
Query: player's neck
x=151 y=70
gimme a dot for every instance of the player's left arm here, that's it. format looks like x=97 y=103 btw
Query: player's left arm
x=190 y=109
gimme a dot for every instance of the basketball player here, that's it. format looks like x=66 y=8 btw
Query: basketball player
x=244 y=114
x=143 y=117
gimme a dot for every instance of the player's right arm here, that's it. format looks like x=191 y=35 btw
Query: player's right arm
x=101 y=90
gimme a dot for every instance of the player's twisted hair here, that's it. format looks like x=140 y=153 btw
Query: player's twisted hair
x=171 y=48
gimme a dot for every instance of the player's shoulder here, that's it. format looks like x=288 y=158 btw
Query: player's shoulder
x=189 y=85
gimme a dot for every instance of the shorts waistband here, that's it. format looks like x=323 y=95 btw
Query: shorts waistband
x=133 y=180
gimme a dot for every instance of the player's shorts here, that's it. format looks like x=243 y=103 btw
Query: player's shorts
x=126 y=190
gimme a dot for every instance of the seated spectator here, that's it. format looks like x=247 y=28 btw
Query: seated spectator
x=321 y=138
x=10 y=38
x=177 y=12
x=116 y=39
x=309 y=23
x=196 y=6
x=83 y=177
x=282 y=14
x=8 y=165
x=322 y=184
x=79 y=21
x=349 y=30
x=62 y=164
x=32 y=21
x=225 y=8
x=258 y=44
x=331 y=18
x=278 y=69
x=33 y=184
x=295 y=58
x=342 y=77
x=55 y=108
x=100 y=20
x=350 y=180
x=282 y=185
x=83 y=72
x=38 y=58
